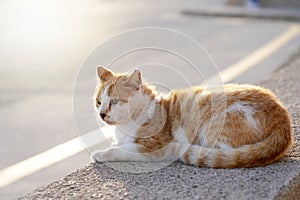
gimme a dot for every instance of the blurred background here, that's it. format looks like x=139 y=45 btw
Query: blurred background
x=43 y=44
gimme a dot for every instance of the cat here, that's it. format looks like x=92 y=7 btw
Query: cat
x=228 y=126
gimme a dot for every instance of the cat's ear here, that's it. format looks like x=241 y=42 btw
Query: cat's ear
x=104 y=74
x=135 y=80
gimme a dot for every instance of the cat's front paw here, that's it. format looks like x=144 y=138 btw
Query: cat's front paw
x=102 y=155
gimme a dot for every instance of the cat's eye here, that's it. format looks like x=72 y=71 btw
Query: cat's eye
x=98 y=102
x=114 y=101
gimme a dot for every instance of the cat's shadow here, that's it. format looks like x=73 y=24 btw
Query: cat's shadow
x=136 y=179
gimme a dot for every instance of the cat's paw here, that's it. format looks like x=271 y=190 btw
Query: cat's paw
x=103 y=155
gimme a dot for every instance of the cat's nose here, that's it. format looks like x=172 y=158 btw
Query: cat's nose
x=103 y=115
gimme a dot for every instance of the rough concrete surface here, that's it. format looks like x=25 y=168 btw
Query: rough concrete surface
x=280 y=180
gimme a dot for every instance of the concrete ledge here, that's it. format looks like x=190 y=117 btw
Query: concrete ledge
x=280 y=180
x=243 y=12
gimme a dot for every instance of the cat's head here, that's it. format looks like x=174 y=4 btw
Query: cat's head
x=119 y=97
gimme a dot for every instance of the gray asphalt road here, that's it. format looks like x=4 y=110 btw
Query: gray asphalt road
x=43 y=44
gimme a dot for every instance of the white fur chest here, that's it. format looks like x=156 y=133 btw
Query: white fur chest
x=125 y=134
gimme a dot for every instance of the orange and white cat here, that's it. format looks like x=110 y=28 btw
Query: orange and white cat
x=222 y=127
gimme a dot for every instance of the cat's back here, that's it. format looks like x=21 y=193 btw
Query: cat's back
x=226 y=94
x=249 y=108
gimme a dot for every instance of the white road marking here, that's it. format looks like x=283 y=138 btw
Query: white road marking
x=56 y=154
x=255 y=57
x=63 y=151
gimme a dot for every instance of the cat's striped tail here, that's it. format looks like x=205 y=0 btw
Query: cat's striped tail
x=262 y=153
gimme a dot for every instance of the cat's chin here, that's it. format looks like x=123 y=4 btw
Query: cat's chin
x=110 y=123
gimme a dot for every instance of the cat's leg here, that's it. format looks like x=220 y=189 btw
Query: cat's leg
x=125 y=152
x=131 y=152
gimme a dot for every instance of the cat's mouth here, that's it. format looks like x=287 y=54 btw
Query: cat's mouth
x=109 y=122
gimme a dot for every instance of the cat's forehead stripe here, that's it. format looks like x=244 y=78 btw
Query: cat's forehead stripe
x=104 y=94
x=112 y=84
x=110 y=89
x=104 y=90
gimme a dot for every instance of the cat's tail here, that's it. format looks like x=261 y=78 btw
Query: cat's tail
x=262 y=153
